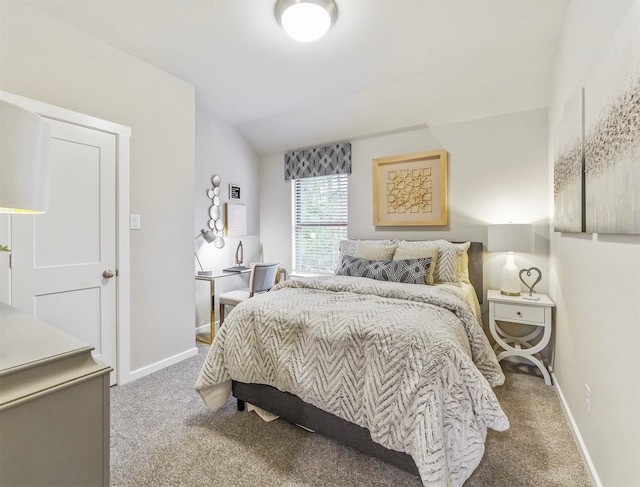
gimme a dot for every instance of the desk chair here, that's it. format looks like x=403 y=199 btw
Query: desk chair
x=263 y=277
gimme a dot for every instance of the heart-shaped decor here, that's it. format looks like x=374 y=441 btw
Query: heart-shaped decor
x=528 y=272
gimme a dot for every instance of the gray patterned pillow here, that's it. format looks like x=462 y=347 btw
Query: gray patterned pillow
x=410 y=271
x=404 y=253
x=446 y=267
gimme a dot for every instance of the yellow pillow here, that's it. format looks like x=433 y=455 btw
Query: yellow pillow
x=463 y=262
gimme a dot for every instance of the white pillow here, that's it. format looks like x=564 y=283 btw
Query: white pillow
x=350 y=247
x=374 y=251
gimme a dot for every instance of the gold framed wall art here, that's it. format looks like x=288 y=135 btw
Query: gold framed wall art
x=410 y=190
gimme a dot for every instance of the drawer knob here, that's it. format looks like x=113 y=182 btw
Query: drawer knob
x=519 y=313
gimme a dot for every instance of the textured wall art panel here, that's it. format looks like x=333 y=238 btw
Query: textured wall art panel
x=568 y=168
x=410 y=190
x=318 y=161
x=612 y=134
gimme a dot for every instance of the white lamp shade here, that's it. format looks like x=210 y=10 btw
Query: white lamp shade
x=511 y=238
x=25 y=143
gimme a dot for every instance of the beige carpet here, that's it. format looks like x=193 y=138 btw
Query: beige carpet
x=163 y=435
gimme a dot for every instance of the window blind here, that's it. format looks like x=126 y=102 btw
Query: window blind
x=320 y=218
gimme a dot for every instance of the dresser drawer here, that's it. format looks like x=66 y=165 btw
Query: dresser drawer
x=516 y=312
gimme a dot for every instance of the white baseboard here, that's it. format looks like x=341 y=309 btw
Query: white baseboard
x=576 y=432
x=155 y=367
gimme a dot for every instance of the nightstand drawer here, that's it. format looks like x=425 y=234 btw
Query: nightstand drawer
x=516 y=312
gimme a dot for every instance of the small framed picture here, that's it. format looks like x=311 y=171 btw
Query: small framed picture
x=234 y=192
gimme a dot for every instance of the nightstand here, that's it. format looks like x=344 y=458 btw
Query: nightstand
x=522 y=311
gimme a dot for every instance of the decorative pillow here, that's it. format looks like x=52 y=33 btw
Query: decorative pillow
x=350 y=247
x=375 y=251
x=446 y=268
x=463 y=262
x=404 y=253
x=411 y=271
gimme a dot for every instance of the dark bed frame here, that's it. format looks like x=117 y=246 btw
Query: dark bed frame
x=293 y=409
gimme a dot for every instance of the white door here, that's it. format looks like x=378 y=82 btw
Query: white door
x=62 y=260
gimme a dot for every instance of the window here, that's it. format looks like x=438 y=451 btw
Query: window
x=320 y=220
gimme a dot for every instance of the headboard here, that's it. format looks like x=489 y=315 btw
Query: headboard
x=476 y=268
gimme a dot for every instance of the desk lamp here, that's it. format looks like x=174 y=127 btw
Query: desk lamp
x=208 y=237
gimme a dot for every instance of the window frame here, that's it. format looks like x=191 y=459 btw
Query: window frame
x=332 y=224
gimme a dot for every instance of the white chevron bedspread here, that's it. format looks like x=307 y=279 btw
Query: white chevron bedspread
x=410 y=363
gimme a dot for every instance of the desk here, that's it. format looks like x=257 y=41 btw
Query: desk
x=218 y=274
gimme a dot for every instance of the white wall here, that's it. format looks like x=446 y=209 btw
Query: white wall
x=596 y=288
x=497 y=173
x=48 y=61
x=222 y=151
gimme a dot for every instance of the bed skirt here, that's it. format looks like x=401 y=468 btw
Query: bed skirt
x=293 y=409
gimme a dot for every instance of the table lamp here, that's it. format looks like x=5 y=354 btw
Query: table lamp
x=25 y=142
x=25 y=156
x=510 y=238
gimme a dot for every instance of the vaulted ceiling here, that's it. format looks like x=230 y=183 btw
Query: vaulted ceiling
x=385 y=66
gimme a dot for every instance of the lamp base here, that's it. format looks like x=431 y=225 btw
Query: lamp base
x=508 y=293
x=510 y=283
x=239 y=255
x=205 y=273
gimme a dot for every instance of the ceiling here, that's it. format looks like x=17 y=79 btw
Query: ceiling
x=385 y=66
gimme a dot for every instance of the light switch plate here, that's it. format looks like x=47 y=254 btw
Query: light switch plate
x=134 y=222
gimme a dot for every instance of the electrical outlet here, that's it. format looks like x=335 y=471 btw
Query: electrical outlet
x=587 y=398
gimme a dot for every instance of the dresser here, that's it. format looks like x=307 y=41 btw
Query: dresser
x=54 y=406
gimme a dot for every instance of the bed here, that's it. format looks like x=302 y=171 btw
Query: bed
x=398 y=370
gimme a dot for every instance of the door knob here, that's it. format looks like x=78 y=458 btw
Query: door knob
x=108 y=274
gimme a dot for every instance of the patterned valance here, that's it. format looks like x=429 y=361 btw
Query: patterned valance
x=318 y=161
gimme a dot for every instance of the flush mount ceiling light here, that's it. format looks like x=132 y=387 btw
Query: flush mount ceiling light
x=306 y=20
